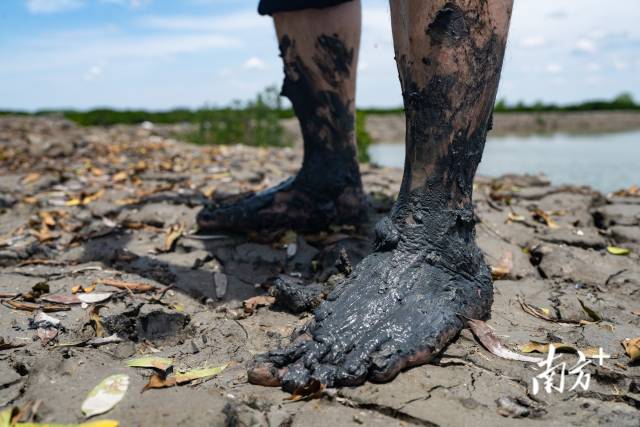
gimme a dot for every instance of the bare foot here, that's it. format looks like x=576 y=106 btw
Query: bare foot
x=399 y=308
x=289 y=205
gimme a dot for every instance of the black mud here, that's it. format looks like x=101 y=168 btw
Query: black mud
x=406 y=301
x=327 y=189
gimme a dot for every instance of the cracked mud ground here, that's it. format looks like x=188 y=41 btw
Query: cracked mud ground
x=81 y=205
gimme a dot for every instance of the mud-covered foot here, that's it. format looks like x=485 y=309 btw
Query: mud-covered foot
x=399 y=308
x=290 y=205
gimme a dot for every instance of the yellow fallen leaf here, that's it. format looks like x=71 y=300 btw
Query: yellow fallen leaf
x=79 y=288
x=98 y=423
x=195 y=374
x=6 y=416
x=514 y=217
x=92 y=197
x=161 y=363
x=160 y=381
x=120 y=176
x=171 y=236
x=540 y=347
x=615 y=250
x=632 y=348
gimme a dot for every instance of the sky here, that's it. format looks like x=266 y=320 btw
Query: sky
x=160 y=54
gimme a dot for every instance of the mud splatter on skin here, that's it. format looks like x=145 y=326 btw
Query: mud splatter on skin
x=411 y=296
x=328 y=188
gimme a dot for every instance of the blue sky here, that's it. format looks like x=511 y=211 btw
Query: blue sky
x=160 y=54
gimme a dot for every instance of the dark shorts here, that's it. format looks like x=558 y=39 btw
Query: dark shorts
x=269 y=7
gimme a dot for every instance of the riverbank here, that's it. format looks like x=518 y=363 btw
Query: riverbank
x=101 y=206
x=386 y=128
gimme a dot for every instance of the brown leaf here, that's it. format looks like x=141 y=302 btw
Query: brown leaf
x=8 y=294
x=310 y=391
x=159 y=381
x=96 y=321
x=171 y=237
x=8 y=345
x=632 y=348
x=47 y=334
x=32 y=177
x=545 y=218
x=503 y=268
x=132 y=286
x=62 y=299
x=120 y=176
x=27 y=306
x=485 y=335
x=250 y=305
x=539 y=312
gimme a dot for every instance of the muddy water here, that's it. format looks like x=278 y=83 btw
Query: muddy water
x=606 y=162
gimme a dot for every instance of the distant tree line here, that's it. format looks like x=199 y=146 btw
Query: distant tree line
x=257 y=122
x=267 y=107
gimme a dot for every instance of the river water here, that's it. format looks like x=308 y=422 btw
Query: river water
x=606 y=162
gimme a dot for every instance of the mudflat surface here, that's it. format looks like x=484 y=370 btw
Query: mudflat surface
x=84 y=206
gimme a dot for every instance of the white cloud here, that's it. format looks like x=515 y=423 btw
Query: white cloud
x=93 y=72
x=52 y=6
x=586 y=46
x=553 y=68
x=244 y=20
x=133 y=4
x=533 y=41
x=254 y=63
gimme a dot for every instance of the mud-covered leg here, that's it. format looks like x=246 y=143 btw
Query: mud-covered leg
x=408 y=299
x=319 y=49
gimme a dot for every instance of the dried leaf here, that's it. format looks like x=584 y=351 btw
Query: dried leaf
x=8 y=294
x=98 y=423
x=590 y=312
x=94 y=298
x=46 y=335
x=79 y=288
x=133 y=287
x=160 y=381
x=161 y=363
x=171 y=237
x=632 y=348
x=194 y=374
x=7 y=415
x=560 y=347
x=32 y=177
x=545 y=218
x=105 y=395
x=27 y=306
x=485 y=335
x=539 y=312
x=514 y=217
x=96 y=321
x=250 y=305
x=503 y=268
x=120 y=176
x=7 y=345
x=615 y=250
x=62 y=299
